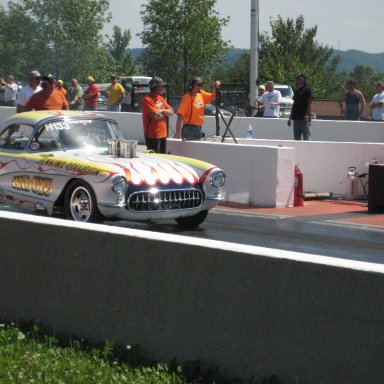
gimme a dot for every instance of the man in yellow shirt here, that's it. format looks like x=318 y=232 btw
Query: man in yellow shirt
x=60 y=87
x=115 y=94
x=190 y=113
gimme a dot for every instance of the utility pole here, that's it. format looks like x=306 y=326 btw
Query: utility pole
x=254 y=52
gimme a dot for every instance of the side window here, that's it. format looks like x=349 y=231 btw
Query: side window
x=45 y=140
x=16 y=136
x=128 y=84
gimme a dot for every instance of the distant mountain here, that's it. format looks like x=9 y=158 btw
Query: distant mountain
x=233 y=55
x=349 y=59
x=352 y=57
x=135 y=52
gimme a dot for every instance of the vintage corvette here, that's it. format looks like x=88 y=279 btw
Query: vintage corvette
x=79 y=165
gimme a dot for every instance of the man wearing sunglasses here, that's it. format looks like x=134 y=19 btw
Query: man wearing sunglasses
x=49 y=98
x=190 y=114
x=156 y=110
x=28 y=90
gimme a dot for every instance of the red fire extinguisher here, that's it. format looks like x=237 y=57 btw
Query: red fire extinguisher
x=298 y=189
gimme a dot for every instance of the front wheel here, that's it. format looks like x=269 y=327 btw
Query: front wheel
x=80 y=203
x=192 y=221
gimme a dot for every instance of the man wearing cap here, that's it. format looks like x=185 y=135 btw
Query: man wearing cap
x=271 y=100
x=190 y=113
x=75 y=96
x=91 y=95
x=60 y=87
x=301 y=109
x=377 y=104
x=259 y=107
x=28 y=90
x=115 y=93
x=49 y=98
x=155 y=112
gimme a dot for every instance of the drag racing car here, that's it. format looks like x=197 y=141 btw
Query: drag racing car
x=79 y=165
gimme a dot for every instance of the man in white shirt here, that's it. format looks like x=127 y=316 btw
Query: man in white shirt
x=271 y=100
x=377 y=104
x=10 y=91
x=28 y=90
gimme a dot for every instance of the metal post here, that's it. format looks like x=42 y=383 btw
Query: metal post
x=254 y=52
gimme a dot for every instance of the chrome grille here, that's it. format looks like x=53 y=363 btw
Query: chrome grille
x=165 y=200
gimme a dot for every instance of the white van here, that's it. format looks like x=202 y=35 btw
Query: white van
x=287 y=101
x=127 y=83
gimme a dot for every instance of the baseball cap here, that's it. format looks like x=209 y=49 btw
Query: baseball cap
x=90 y=78
x=301 y=76
x=156 y=82
x=381 y=83
x=49 y=78
x=35 y=74
x=60 y=81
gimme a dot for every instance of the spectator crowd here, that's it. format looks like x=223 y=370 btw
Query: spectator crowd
x=45 y=92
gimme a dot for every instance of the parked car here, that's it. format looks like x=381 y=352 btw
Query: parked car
x=210 y=110
x=287 y=101
x=77 y=164
x=102 y=98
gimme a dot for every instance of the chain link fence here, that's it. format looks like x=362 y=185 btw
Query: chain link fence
x=235 y=99
x=330 y=110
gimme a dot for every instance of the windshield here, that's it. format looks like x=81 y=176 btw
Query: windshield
x=285 y=91
x=73 y=134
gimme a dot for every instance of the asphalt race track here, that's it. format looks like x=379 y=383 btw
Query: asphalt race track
x=321 y=235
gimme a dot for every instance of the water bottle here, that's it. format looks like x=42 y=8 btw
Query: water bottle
x=249 y=132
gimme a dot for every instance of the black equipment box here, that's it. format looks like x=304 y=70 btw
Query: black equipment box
x=376 y=188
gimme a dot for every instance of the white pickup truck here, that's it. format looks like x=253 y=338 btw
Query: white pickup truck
x=128 y=82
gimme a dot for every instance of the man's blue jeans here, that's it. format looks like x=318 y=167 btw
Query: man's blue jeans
x=114 y=107
x=301 y=128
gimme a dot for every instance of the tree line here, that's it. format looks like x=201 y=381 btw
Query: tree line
x=182 y=38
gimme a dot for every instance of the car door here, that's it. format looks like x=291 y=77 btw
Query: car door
x=20 y=183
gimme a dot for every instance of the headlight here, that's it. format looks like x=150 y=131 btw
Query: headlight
x=119 y=184
x=218 y=179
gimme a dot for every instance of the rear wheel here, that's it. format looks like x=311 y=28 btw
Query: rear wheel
x=192 y=221
x=80 y=203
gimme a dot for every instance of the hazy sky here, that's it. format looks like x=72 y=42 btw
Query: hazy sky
x=342 y=24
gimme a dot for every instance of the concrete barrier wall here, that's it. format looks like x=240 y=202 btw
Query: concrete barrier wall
x=321 y=130
x=324 y=164
x=261 y=175
x=249 y=310
x=264 y=128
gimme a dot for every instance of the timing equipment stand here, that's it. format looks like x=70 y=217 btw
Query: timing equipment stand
x=232 y=97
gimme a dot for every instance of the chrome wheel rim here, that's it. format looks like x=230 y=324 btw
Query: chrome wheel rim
x=80 y=204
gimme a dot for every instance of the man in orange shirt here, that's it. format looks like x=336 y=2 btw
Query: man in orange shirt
x=48 y=98
x=190 y=113
x=155 y=112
